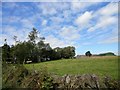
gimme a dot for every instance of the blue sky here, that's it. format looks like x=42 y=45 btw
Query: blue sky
x=86 y=26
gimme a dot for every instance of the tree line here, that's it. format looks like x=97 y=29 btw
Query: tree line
x=34 y=49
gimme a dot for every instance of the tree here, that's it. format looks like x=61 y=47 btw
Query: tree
x=33 y=35
x=44 y=51
x=58 y=53
x=88 y=53
x=21 y=52
x=68 y=52
x=71 y=51
x=6 y=52
x=47 y=51
x=15 y=38
x=30 y=47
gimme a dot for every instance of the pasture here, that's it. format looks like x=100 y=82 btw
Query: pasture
x=101 y=66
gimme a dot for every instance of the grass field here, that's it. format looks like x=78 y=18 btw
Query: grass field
x=101 y=66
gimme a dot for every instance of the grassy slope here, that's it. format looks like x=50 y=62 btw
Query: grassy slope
x=100 y=66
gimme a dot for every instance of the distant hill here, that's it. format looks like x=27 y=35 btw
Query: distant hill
x=107 y=54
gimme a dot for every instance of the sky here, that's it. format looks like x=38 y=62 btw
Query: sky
x=88 y=26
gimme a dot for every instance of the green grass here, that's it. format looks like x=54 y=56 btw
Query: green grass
x=101 y=66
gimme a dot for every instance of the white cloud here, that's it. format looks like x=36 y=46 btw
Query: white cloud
x=56 y=20
x=112 y=37
x=110 y=40
x=84 y=19
x=55 y=42
x=69 y=33
x=67 y=13
x=86 y=43
x=27 y=23
x=44 y=22
x=105 y=17
x=60 y=6
x=103 y=22
x=47 y=8
x=10 y=41
x=107 y=21
x=108 y=10
x=11 y=19
x=78 y=6
x=9 y=32
x=50 y=30
x=66 y=36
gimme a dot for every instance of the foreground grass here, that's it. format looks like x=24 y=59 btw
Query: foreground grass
x=101 y=66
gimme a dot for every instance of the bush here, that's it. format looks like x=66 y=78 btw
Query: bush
x=17 y=76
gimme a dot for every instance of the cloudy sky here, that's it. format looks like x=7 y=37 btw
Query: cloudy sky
x=87 y=26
